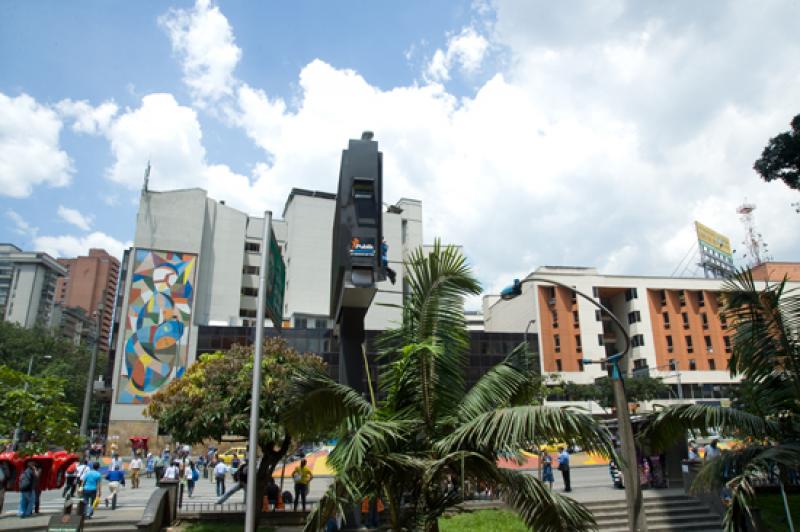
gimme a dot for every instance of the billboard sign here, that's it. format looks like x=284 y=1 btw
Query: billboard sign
x=276 y=282
x=716 y=255
x=713 y=240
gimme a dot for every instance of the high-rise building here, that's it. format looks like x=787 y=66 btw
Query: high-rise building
x=90 y=283
x=675 y=325
x=27 y=286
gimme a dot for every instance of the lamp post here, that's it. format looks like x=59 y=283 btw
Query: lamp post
x=633 y=489
x=87 y=397
x=18 y=430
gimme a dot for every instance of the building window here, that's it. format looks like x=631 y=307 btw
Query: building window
x=689 y=346
x=701 y=299
x=663 y=298
x=557 y=342
x=692 y=365
x=704 y=319
x=637 y=340
x=631 y=293
x=711 y=364
x=723 y=321
x=685 y=317
x=673 y=364
x=600 y=339
x=727 y=340
x=598 y=315
x=580 y=364
x=574 y=297
x=247 y=313
x=253 y=247
x=558 y=365
x=575 y=319
x=300 y=323
x=555 y=318
x=247 y=291
x=250 y=270
x=596 y=292
x=709 y=348
x=634 y=317
x=665 y=315
x=320 y=324
x=669 y=344
x=578 y=346
x=682 y=298
x=404 y=231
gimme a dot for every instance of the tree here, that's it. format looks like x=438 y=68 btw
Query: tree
x=766 y=355
x=212 y=400
x=36 y=405
x=781 y=157
x=636 y=389
x=18 y=345
x=426 y=427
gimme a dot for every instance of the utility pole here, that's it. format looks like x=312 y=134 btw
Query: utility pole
x=253 y=505
x=87 y=398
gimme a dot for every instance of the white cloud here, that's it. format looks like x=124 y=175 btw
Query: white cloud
x=204 y=42
x=75 y=217
x=21 y=226
x=73 y=246
x=465 y=50
x=88 y=119
x=30 y=154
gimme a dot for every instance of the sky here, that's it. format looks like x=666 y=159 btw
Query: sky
x=534 y=132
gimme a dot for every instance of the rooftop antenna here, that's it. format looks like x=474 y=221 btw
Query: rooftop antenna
x=147 y=175
x=757 y=251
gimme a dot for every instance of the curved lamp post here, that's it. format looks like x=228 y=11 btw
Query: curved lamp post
x=633 y=489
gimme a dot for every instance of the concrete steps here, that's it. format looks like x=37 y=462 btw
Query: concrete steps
x=664 y=514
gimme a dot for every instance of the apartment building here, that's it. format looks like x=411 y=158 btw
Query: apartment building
x=676 y=329
x=27 y=286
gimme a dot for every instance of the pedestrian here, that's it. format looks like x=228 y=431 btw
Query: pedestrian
x=694 y=455
x=149 y=465
x=27 y=490
x=235 y=462
x=172 y=472
x=92 y=481
x=202 y=464
x=191 y=475
x=81 y=470
x=37 y=469
x=390 y=273
x=302 y=476
x=116 y=461
x=72 y=481
x=711 y=450
x=159 y=466
x=272 y=493
x=116 y=478
x=547 y=469
x=135 y=467
x=240 y=477
x=219 y=475
x=563 y=466
x=5 y=477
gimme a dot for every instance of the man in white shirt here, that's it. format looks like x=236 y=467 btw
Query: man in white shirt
x=136 y=466
x=219 y=475
x=172 y=472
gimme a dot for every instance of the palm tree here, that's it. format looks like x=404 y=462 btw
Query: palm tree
x=426 y=427
x=766 y=354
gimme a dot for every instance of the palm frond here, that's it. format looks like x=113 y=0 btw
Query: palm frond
x=495 y=388
x=370 y=437
x=670 y=424
x=519 y=426
x=318 y=404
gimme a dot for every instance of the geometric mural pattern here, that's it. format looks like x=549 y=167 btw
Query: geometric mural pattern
x=157 y=323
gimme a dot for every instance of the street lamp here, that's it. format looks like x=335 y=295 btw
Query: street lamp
x=18 y=430
x=633 y=489
x=87 y=396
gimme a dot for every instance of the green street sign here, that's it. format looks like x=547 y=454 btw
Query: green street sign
x=276 y=282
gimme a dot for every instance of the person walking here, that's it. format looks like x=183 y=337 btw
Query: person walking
x=302 y=476
x=563 y=466
x=5 y=477
x=135 y=467
x=159 y=465
x=116 y=478
x=173 y=472
x=92 y=481
x=711 y=450
x=149 y=465
x=219 y=475
x=72 y=481
x=547 y=469
x=192 y=475
x=27 y=491
x=240 y=476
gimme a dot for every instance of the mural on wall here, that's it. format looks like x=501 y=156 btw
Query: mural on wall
x=157 y=323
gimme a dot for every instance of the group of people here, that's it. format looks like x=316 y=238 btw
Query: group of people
x=546 y=462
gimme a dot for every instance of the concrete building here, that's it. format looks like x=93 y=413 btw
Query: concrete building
x=71 y=323
x=27 y=286
x=675 y=325
x=90 y=281
x=195 y=264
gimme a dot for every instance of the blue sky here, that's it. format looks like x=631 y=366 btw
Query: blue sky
x=591 y=134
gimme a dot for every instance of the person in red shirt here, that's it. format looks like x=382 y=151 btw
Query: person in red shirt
x=72 y=480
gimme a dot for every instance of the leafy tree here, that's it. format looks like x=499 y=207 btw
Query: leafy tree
x=426 y=427
x=636 y=389
x=37 y=406
x=781 y=157
x=18 y=345
x=766 y=355
x=212 y=400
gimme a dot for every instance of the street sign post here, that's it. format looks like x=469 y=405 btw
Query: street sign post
x=276 y=281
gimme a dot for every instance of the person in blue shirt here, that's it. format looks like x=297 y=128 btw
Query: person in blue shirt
x=563 y=466
x=547 y=468
x=390 y=273
x=116 y=478
x=92 y=480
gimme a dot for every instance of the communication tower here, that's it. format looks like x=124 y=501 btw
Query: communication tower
x=757 y=250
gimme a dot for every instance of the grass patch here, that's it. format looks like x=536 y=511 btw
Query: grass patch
x=480 y=521
x=773 y=514
x=219 y=526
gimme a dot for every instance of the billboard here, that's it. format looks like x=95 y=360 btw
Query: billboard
x=716 y=255
x=157 y=322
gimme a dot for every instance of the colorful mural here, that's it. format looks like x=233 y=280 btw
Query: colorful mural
x=157 y=323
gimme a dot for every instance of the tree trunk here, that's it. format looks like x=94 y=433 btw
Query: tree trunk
x=270 y=457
